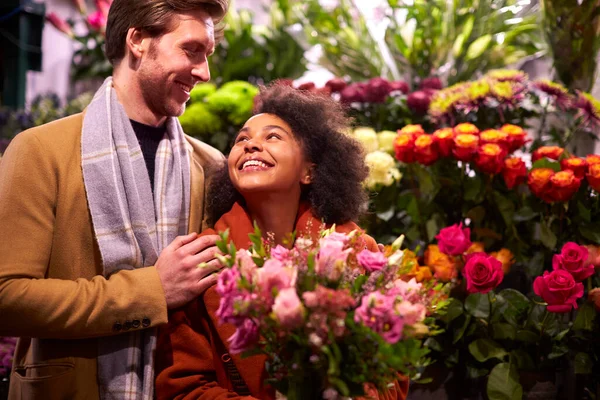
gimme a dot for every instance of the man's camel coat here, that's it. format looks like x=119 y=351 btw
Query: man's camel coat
x=52 y=291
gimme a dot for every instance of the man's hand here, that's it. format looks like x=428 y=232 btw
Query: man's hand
x=177 y=266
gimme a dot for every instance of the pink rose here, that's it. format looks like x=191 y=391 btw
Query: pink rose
x=482 y=272
x=97 y=21
x=411 y=313
x=331 y=258
x=288 y=309
x=244 y=337
x=246 y=265
x=454 y=240
x=274 y=276
x=372 y=260
x=280 y=253
x=559 y=290
x=410 y=291
x=573 y=258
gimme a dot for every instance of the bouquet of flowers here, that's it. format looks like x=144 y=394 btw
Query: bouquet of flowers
x=320 y=306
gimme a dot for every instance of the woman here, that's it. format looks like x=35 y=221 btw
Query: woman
x=290 y=169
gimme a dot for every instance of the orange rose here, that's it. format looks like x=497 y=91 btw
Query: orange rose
x=490 y=158
x=551 y=152
x=412 y=129
x=594 y=297
x=465 y=128
x=514 y=172
x=404 y=147
x=517 y=137
x=575 y=164
x=465 y=146
x=563 y=185
x=539 y=182
x=494 y=136
x=476 y=247
x=506 y=257
x=442 y=264
x=426 y=151
x=593 y=176
x=445 y=141
x=593 y=254
x=592 y=159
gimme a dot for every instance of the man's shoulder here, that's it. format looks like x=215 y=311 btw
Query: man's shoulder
x=205 y=154
x=56 y=133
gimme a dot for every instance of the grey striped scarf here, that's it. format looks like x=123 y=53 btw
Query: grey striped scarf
x=131 y=226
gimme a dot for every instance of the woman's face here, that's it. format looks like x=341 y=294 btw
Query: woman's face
x=267 y=158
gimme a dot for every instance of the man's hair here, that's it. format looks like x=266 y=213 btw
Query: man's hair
x=336 y=193
x=154 y=17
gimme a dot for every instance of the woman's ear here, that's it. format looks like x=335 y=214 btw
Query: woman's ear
x=307 y=176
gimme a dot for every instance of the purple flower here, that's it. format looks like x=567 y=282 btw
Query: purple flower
x=7 y=348
x=372 y=260
x=377 y=90
x=244 y=337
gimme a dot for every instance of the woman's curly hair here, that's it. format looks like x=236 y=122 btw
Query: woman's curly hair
x=336 y=192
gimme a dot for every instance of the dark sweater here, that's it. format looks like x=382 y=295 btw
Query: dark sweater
x=149 y=137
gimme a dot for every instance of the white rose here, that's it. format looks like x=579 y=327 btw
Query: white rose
x=382 y=169
x=386 y=141
x=367 y=137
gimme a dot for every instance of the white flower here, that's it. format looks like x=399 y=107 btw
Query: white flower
x=382 y=169
x=386 y=141
x=367 y=137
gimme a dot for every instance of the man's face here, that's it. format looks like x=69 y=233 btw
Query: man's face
x=175 y=62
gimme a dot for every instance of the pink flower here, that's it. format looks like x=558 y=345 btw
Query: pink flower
x=331 y=257
x=454 y=240
x=377 y=90
x=246 y=266
x=281 y=253
x=336 y=237
x=59 y=24
x=103 y=6
x=410 y=291
x=559 y=290
x=244 y=337
x=288 y=309
x=573 y=258
x=482 y=272
x=376 y=312
x=372 y=260
x=97 y=21
x=273 y=276
x=411 y=313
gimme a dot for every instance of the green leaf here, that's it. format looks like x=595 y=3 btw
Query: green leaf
x=473 y=187
x=535 y=266
x=458 y=333
x=477 y=48
x=503 y=383
x=459 y=43
x=432 y=229
x=506 y=208
x=584 y=212
x=585 y=318
x=546 y=163
x=547 y=237
x=590 y=232
x=453 y=310
x=478 y=305
x=503 y=330
x=485 y=349
x=522 y=359
x=583 y=363
x=558 y=350
x=513 y=305
x=525 y=214
x=527 y=336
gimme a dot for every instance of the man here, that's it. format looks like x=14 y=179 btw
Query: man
x=98 y=213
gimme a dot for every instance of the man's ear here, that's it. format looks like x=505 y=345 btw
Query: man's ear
x=136 y=42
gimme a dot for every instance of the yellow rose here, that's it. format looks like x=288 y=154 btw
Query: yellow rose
x=367 y=137
x=386 y=141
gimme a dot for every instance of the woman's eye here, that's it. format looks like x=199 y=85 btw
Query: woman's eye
x=273 y=135
x=241 y=139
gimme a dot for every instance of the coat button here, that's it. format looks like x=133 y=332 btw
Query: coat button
x=136 y=323
x=127 y=325
x=117 y=327
x=146 y=322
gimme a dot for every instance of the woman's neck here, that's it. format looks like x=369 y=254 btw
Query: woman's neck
x=275 y=215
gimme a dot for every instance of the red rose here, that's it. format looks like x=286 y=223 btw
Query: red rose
x=482 y=272
x=419 y=101
x=465 y=146
x=551 y=152
x=494 y=136
x=404 y=147
x=575 y=164
x=354 y=93
x=593 y=176
x=399 y=86
x=426 y=151
x=336 y=85
x=514 y=172
x=573 y=258
x=517 y=137
x=563 y=185
x=490 y=158
x=444 y=139
x=377 y=90
x=454 y=240
x=592 y=159
x=559 y=290
x=539 y=182
x=432 y=82
x=466 y=127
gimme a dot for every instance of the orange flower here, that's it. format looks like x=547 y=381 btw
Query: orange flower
x=594 y=297
x=539 y=181
x=551 y=152
x=517 y=137
x=404 y=147
x=412 y=129
x=426 y=151
x=563 y=185
x=506 y=257
x=592 y=159
x=593 y=176
x=494 y=136
x=575 y=164
x=465 y=146
x=445 y=141
x=490 y=158
x=476 y=247
x=514 y=172
x=466 y=128
x=442 y=264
